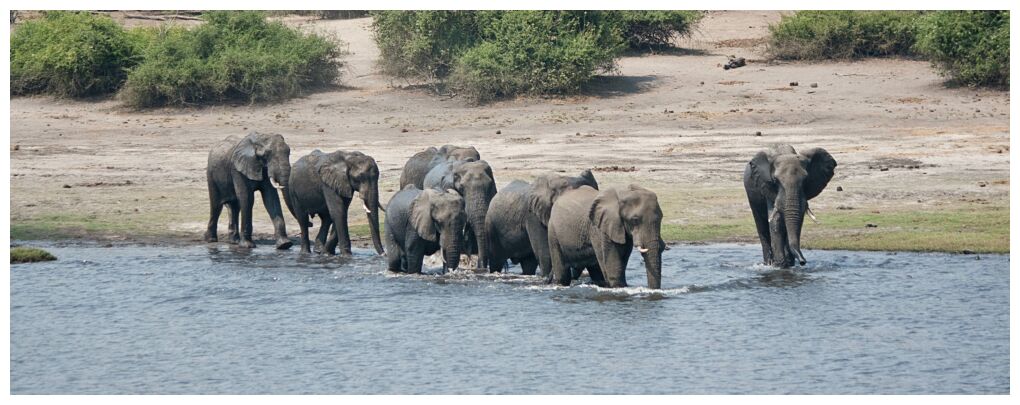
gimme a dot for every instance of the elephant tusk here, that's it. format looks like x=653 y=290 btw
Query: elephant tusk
x=367 y=211
x=275 y=184
x=812 y=215
x=642 y=249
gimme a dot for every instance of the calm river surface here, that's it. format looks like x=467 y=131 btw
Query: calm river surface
x=132 y=319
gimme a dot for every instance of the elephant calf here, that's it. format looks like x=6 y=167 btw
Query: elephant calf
x=323 y=184
x=518 y=217
x=597 y=230
x=474 y=181
x=419 y=223
x=779 y=182
x=422 y=162
x=237 y=168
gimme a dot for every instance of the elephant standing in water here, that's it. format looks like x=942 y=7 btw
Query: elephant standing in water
x=419 y=165
x=474 y=181
x=779 y=182
x=323 y=184
x=597 y=230
x=518 y=217
x=419 y=223
x=237 y=168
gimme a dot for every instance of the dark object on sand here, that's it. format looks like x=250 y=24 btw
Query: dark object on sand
x=734 y=63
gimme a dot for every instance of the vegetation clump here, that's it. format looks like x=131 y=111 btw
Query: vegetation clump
x=843 y=34
x=233 y=56
x=22 y=254
x=71 y=54
x=658 y=28
x=971 y=47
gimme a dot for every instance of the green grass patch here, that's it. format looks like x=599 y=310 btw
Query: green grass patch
x=842 y=34
x=71 y=54
x=22 y=254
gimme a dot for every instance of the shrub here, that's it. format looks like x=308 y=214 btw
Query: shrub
x=645 y=29
x=538 y=52
x=234 y=56
x=71 y=55
x=21 y=254
x=423 y=44
x=842 y=34
x=972 y=47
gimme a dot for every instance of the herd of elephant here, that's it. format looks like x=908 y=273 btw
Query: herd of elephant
x=448 y=202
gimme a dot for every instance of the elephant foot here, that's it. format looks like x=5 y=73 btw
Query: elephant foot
x=319 y=247
x=247 y=244
x=283 y=244
x=235 y=238
x=209 y=237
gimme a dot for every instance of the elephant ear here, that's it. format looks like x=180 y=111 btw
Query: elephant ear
x=421 y=216
x=488 y=172
x=245 y=160
x=588 y=179
x=605 y=215
x=821 y=167
x=334 y=175
x=761 y=172
x=540 y=199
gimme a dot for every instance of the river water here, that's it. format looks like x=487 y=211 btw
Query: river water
x=215 y=319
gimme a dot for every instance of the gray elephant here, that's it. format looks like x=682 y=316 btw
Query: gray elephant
x=323 y=184
x=474 y=181
x=779 y=183
x=419 y=165
x=518 y=217
x=419 y=223
x=237 y=168
x=597 y=230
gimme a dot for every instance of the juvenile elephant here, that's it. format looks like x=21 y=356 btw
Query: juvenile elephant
x=597 y=230
x=518 y=217
x=323 y=184
x=237 y=168
x=474 y=181
x=419 y=223
x=779 y=182
x=419 y=165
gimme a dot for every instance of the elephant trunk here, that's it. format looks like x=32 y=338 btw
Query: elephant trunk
x=370 y=197
x=653 y=264
x=793 y=217
x=279 y=172
x=476 y=209
x=450 y=241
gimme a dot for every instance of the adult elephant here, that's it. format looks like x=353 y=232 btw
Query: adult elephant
x=779 y=183
x=597 y=230
x=323 y=184
x=419 y=165
x=474 y=181
x=518 y=218
x=419 y=223
x=237 y=168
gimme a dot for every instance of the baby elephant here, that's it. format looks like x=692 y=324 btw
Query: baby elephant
x=598 y=230
x=419 y=223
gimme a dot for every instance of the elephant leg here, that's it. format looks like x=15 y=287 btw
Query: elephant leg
x=497 y=258
x=415 y=257
x=325 y=225
x=338 y=212
x=781 y=256
x=528 y=265
x=304 y=223
x=215 y=208
x=271 y=199
x=246 y=199
x=235 y=210
x=761 y=222
x=539 y=239
x=597 y=276
x=393 y=253
x=560 y=273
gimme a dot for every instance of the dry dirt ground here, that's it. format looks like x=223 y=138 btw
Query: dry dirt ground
x=910 y=150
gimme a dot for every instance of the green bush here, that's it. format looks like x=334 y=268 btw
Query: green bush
x=972 y=47
x=645 y=29
x=71 y=55
x=538 y=52
x=21 y=254
x=233 y=56
x=423 y=44
x=842 y=34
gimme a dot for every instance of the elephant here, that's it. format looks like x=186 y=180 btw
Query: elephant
x=237 y=168
x=474 y=181
x=597 y=230
x=323 y=184
x=419 y=223
x=779 y=183
x=419 y=165
x=518 y=217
